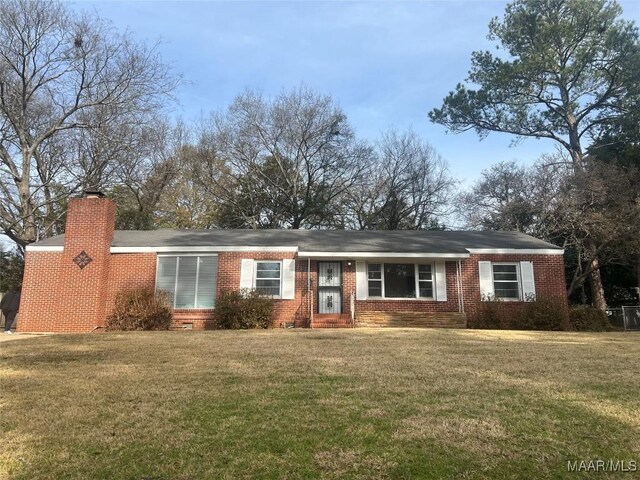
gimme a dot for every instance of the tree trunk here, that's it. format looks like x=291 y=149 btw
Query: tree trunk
x=638 y=274
x=29 y=233
x=597 y=291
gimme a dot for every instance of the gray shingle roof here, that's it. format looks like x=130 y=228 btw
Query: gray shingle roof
x=403 y=241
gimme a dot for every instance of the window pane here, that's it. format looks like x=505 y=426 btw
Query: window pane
x=268 y=287
x=424 y=269
x=268 y=270
x=374 y=271
x=505 y=276
x=505 y=272
x=268 y=274
x=399 y=280
x=166 y=278
x=186 y=287
x=506 y=290
x=426 y=290
x=375 y=288
x=207 y=282
x=503 y=268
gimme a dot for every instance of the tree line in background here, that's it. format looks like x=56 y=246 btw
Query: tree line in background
x=83 y=106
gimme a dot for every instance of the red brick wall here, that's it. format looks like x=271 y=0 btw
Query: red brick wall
x=83 y=291
x=348 y=285
x=286 y=311
x=76 y=297
x=548 y=273
x=402 y=305
x=40 y=293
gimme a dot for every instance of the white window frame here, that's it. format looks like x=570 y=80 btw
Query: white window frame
x=433 y=281
x=518 y=277
x=175 y=285
x=255 y=276
x=417 y=280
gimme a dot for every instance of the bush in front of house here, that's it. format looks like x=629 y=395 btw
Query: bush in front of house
x=585 y=318
x=141 y=309
x=544 y=313
x=243 y=310
x=491 y=315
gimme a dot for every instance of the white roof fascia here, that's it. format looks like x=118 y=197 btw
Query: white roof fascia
x=516 y=251
x=204 y=248
x=380 y=255
x=45 y=248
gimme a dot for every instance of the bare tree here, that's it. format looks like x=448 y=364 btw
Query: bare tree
x=143 y=182
x=63 y=74
x=600 y=204
x=282 y=162
x=408 y=186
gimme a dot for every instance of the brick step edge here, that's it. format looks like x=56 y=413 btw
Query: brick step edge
x=331 y=325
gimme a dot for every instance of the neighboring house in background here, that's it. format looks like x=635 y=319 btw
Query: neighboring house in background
x=317 y=277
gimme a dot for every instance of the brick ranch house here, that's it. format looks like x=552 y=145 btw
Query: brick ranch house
x=318 y=278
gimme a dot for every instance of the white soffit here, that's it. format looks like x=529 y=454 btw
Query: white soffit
x=200 y=249
x=212 y=249
x=348 y=255
x=44 y=248
x=515 y=251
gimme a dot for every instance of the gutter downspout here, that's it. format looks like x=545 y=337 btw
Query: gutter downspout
x=460 y=290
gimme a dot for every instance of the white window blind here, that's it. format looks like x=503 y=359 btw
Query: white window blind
x=207 y=276
x=189 y=279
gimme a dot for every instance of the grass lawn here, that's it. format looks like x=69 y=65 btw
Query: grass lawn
x=318 y=404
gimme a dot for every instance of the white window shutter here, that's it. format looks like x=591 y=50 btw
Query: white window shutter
x=441 y=282
x=288 y=279
x=246 y=274
x=528 y=283
x=486 y=280
x=361 y=281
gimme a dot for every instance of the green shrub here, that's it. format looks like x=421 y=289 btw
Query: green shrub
x=586 y=318
x=141 y=309
x=545 y=313
x=243 y=310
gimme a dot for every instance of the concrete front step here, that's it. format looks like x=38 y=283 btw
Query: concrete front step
x=331 y=325
x=331 y=320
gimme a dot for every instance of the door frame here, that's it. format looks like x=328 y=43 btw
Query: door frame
x=339 y=262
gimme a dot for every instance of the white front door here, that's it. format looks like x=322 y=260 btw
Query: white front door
x=329 y=287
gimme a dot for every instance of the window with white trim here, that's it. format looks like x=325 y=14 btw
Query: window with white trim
x=375 y=279
x=268 y=278
x=506 y=281
x=400 y=280
x=425 y=281
x=189 y=279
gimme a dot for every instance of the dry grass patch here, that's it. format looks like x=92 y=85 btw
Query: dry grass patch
x=338 y=463
x=317 y=404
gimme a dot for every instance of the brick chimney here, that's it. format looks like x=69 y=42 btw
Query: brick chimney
x=84 y=265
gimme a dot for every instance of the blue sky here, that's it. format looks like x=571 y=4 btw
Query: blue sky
x=387 y=64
